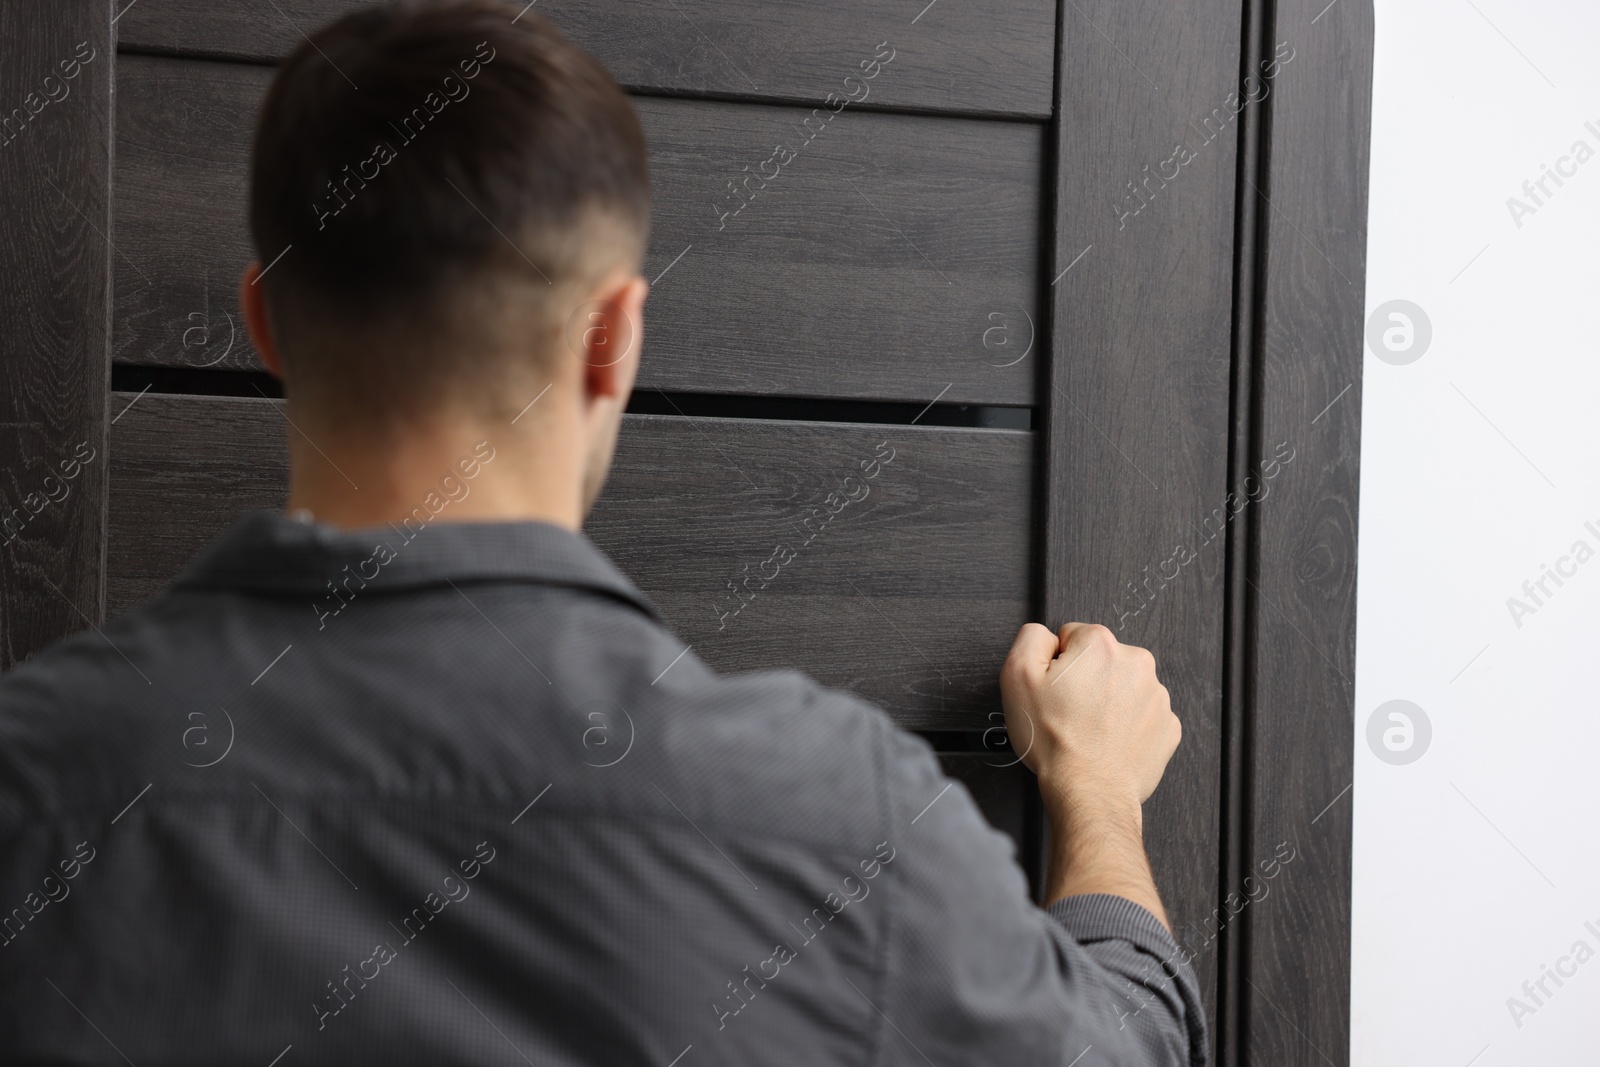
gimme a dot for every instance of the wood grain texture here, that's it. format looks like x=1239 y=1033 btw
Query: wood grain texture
x=1310 y=348
x=1138 y=399
x=895 y=256
x=55 y=143
x=980 y=56
x=908 y=594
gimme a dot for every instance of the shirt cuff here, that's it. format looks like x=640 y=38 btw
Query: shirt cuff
x=1097 y=918
x=1092 y=917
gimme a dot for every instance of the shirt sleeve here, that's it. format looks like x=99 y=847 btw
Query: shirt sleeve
x=977 y=973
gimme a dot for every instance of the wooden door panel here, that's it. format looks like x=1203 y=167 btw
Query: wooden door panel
x=1298 y=772
x=1138 y=518
x=905 y=587
x=55 y=208
x=979 y=56
x=996 y=223
x=895 y=258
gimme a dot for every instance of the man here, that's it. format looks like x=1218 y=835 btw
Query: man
x=397 y=774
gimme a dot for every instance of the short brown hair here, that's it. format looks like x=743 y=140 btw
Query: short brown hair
x=418 y=158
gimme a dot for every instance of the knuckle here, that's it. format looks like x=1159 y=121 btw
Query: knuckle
x=1014 y=673
x=1100 y=635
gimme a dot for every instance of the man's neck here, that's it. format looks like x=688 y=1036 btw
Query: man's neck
x=458 y=473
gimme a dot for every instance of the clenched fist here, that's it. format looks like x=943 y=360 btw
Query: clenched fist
x=1087 y=715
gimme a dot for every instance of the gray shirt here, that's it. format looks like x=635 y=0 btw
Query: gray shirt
x=454 y=793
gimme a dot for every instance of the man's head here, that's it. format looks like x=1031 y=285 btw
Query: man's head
x=450 y=205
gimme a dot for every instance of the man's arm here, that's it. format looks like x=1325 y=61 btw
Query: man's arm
x=1098 y=847
x=1090 y=718
x=974 y=971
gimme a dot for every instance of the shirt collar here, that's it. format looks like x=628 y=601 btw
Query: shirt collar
x=271 y=552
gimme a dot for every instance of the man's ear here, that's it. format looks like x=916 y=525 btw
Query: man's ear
x=253 y=302
x=612 y=339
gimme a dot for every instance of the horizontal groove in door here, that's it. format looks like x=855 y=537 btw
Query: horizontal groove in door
x=978 y=56
x=189 y=381
x=908 y=595
x=895 y=258
x=887 y=412
x=990 y=742
x=1007 y=797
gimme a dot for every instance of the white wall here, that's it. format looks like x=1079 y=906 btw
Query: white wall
x=1478 y=863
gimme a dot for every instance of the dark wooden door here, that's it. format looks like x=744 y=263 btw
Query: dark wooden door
x=1078 y=283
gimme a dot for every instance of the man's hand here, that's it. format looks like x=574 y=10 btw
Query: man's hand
x=1090 y=718
x=1087 y=712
